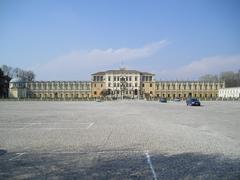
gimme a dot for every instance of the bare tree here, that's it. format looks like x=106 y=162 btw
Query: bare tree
x=228 y=75
x=7 y=70
x=30 y=76
x=230 y=78
x=209 y=77
x=18 y=72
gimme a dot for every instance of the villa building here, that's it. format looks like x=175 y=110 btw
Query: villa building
x=120 y=83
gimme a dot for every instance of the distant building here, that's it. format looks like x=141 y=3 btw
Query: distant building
x=116 y=84
x=233 y=92
x=17 y=88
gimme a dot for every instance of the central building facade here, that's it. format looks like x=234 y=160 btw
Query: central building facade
x=120 y=83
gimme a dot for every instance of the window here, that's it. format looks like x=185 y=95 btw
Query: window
x=130 y=78
x=135 y=84
x=109 y=78
x=150 y=84
x=95 y=92
x=118 y=78
x=109 y=84
x=101 y=85
x=114 y=78
x=150 y=78
x=142 y=85
x=136 y=78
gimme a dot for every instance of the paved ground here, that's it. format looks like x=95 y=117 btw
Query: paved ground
x=119 y=140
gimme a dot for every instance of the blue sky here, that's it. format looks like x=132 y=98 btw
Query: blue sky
x=69 y=40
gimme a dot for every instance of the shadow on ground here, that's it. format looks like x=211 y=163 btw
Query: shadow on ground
x=112 y=165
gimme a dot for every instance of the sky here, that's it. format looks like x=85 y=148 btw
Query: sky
x=71 y=39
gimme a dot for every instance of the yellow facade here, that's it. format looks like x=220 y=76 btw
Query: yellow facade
x=117 y=83
x=98 y=88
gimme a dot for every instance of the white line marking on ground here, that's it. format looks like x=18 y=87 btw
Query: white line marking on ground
x=90 y=125
x=18 y=155
x=151 y=166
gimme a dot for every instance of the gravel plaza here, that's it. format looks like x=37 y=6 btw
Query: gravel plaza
x=129 y=139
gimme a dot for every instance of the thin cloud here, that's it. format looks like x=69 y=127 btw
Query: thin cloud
x=210 y=65
x=78 y=63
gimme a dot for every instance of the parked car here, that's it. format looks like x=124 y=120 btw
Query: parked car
x=193 y=102
x=163 y=100
x=177 y=100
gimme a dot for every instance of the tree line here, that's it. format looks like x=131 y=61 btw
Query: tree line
x=232 y=79
x=26 y=75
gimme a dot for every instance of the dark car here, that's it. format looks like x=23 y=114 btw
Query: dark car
x=163 y=100
x=193 y=102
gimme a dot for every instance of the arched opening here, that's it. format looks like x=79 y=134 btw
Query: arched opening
x=189 y=94
x=135 y=92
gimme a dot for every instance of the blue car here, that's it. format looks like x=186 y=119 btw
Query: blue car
x=193 y=102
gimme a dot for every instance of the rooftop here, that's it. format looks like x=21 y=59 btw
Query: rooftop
x=122 y=71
